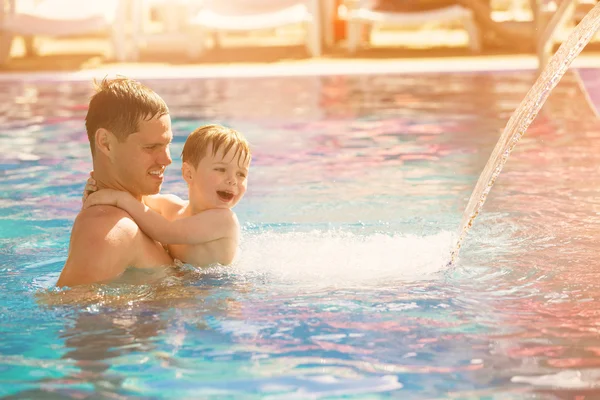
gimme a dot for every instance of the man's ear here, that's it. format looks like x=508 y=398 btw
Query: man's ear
x=105 y=141
x=187 y=172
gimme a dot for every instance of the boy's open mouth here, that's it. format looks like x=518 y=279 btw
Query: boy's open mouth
x=226 y=196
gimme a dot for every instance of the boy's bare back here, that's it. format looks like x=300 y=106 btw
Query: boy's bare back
x=220 y=251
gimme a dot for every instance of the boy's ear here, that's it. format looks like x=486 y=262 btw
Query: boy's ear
x=187 y=172
x=104 y=141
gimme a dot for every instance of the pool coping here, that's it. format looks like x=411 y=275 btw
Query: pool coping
x=291 y=69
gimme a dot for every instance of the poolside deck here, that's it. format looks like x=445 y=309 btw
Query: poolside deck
x=398 y=51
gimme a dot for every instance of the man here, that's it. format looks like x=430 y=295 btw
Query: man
x=129 y=129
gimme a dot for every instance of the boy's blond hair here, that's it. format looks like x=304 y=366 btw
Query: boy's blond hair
x=196 y=145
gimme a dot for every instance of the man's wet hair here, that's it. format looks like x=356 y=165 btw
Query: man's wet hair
x=119 y=105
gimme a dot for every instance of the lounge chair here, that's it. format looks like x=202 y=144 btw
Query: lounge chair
x=59 y=18
x=365 y=16
x=219 y=16
x=173 y=17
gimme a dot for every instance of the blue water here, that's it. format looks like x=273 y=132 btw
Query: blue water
x=355 y=196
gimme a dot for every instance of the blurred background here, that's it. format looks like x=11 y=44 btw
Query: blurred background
x=75 y=34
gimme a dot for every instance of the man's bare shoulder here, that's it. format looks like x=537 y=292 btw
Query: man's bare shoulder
x=104 y=223
x=103 y=244
x=165 y=199
x=168 y=205
x=171 y=198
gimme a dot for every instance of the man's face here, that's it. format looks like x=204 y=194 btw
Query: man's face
x=141 y=159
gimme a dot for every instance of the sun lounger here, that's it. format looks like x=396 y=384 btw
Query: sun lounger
x=363 y=16
x=59 y=18
x=218 y=16
x=173 y=16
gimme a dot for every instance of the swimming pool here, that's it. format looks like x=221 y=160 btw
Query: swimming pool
x=355 y=195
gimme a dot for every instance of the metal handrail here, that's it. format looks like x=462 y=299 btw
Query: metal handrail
x=547 y=32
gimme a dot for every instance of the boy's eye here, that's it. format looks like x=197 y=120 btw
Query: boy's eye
x=241 y=174
x=220 y=169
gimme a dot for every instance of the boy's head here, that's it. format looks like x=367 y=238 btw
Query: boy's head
x=215 y=164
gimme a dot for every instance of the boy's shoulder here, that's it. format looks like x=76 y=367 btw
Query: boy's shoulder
x=224 y=217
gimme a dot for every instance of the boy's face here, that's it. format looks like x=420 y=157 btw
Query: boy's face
x=219 y=181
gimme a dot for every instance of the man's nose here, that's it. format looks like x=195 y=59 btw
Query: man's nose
x=165 y=157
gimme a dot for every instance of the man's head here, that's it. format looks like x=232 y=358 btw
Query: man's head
x=129 y=129
x=215 y=165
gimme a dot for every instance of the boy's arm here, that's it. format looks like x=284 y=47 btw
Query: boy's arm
x=200 y=228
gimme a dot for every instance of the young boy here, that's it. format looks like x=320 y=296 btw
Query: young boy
x=202 y=230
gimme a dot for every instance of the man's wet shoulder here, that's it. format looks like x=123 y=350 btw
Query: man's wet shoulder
x=105 y=216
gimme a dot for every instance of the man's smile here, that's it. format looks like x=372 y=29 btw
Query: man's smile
x=156 y=174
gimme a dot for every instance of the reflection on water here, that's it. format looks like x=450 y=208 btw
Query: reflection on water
x=357 y=185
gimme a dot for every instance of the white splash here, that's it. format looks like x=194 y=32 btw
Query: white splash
x=340 y=258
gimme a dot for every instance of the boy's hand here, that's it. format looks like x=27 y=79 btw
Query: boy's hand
x=90 y=187
x=107 y=197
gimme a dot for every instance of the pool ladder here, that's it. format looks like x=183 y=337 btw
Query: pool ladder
x=549 y=20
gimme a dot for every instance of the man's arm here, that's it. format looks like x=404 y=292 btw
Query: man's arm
x=102 y=246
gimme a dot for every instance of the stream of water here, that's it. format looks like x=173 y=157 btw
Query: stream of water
x=524 y=116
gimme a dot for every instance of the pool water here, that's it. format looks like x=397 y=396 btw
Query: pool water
x=355 y=196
